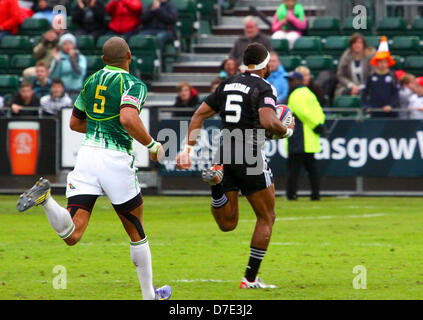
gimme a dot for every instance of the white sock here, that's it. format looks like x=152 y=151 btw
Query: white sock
x=59 y=218
x=141 y=256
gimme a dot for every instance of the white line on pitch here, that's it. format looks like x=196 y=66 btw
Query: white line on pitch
x=370 y=215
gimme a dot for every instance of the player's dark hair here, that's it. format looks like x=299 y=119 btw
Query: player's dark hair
x=255 y=53
x=57 y=81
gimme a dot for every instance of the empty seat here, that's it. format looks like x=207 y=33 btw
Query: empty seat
x=318 y=63
x=350 y=102
x=414 y=65
x=324 y=26
x=290 y=62
x=392 y=26
x=145 y=50
x=15 y=45
x=335 y=45
x=31 y=27
x=4 y=63
x=9 y=84
x=86 y=44
x=281 y=46
x=94 y=63
x=306 y=46
x=19 y=62
x=405 y=45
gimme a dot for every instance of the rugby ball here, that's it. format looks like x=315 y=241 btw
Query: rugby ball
x=284 y=114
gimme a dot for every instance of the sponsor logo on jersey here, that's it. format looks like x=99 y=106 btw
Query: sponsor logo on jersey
x=130 y=99
x=71 y=186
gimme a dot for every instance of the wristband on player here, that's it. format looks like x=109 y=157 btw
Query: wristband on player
x=189 y=149
x=289 y=133
x=154 y=146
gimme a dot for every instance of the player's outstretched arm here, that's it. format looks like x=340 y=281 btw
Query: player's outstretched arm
x=272 y=124
x=202 y=113
x=132 y=123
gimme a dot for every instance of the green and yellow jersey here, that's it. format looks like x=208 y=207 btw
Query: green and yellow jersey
x=103 y=95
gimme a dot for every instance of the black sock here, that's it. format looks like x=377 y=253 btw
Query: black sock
x=256 y=255
x=218 y=196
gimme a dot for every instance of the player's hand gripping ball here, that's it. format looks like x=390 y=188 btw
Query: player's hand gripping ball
x=284 y=114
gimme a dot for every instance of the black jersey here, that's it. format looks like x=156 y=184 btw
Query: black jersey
x=239 y=98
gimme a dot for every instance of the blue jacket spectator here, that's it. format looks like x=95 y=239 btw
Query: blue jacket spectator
x=69 y=65
x=277 y=77
x=159 y=20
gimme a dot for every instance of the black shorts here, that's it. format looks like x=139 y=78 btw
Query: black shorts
x=236 y=177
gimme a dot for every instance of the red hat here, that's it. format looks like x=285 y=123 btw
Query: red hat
x=383 y=53
x=419 y=81
x=400 y=74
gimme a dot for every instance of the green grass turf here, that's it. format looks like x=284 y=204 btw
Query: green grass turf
x=314 y=248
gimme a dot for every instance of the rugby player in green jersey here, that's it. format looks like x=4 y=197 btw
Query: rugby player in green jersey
x=107 y=111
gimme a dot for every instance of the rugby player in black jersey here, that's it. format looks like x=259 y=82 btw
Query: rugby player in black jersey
x=246 y=105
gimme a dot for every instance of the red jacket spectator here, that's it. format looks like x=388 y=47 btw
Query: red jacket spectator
x=10 y=16
x=125 y=15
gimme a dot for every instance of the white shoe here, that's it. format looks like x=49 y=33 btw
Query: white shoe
x=257 y=284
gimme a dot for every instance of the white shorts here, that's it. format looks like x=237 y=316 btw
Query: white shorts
x=100 y=171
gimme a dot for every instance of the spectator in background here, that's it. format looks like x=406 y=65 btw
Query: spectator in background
x=309 y=83
x=187 y=98
x=289 y=22
x=88 y=15
x=214 y=84
x=125 y=16
x=45 y=8
x=228 y=68
x=42 y=82
x=10 y=18
x=305 y=142
x=251 y=34
x=277 y=77
x=354 y=67
x=23 y=99
x=56 y=100
x=159 y=20
x=416 y=101
x=43 y=51
x=406 y=92
x=69 y=64
x=382 y=89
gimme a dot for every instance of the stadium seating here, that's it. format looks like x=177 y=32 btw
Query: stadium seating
x=15 y=45
x=94 y=63
x=335 y=45
x=9 y=84
x=186 y=19
x=4 y=63
x=33 y=27
x=19 y=62
x=417 y=28
x=392 y=26
x=318 y=63
x=414 y=65
x=305 y=46
x=405 y=45
x=290 y=62
x=373 y=41
x=281 y=46
x=86 y=45
x=324 y=26
x=347 y=102
x=146 y=50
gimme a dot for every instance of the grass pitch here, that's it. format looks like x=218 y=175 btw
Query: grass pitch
x=314 y=249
